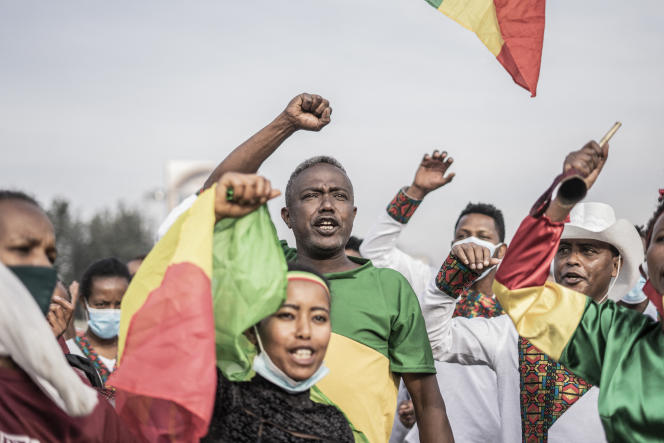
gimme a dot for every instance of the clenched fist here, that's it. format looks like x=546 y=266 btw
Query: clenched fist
x=239 y=194
x=310 y=112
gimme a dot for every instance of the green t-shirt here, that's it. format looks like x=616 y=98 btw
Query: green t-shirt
x=378 y=308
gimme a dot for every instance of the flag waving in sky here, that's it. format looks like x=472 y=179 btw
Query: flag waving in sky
x=513 y=30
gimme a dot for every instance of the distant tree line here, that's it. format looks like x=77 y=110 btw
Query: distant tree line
x=123 y=233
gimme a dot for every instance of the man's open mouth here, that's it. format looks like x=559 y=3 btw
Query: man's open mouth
x=326 y=225
x=572 y=278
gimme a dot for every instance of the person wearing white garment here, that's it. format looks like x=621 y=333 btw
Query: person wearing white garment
x=469 y=391
x=540 y=399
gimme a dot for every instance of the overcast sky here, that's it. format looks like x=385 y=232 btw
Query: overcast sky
x=96 y=97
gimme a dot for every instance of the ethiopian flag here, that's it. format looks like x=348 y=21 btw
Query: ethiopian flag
x=513 y=30
x=185 y=312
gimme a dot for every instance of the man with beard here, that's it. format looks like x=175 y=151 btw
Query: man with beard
x=539 y=398
x=378 y=332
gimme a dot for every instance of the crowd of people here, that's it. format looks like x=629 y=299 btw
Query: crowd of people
x=556 y=336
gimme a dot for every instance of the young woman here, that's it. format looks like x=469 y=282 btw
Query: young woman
x=275 y=405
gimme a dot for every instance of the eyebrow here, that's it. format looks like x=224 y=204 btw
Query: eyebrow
x=297 y=308
x=321 y=189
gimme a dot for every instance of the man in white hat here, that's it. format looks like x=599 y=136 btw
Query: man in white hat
x=598 y=255
x=539 y=398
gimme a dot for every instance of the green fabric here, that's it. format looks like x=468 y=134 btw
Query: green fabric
x=317 y=396
x=248 y=284
x=378 y=308
x=622 y=352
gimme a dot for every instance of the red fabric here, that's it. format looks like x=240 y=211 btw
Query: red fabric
x=26 y=411
x=655 y=297
x=63 y=345
x=528 y=258
x=165 y=383
x=522 y=27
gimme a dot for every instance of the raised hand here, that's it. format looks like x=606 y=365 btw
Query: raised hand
x=474 y=256
x=308 y=111
x=430 y=174
x=59 y=312
x=587 y=161
x=239 y=194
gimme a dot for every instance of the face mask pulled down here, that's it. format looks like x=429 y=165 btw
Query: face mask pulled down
x=487 y=244
x=264 y=366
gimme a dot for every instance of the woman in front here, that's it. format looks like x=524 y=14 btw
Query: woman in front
x=275 y=405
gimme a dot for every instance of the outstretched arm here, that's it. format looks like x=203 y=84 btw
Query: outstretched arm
x=380 y=243
x=544 y=312
x=310 y=112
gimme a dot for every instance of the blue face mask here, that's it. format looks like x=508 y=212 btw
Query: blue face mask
x=264 y=366
x=104 y=323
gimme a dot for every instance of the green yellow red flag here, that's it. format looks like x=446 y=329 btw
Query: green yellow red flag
x=185 y=312
x=513 y=30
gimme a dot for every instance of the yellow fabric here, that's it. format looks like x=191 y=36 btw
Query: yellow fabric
x=478 y=16
x=546 y=315
x=361 y=384
x=188 y=240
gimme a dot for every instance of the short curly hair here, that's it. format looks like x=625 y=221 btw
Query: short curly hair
x=488 y=210
x=313 y=161
x=7 y=194
x=106 y=267
x=651 y=223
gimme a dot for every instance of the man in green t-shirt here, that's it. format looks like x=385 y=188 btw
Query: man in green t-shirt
x=378 y=329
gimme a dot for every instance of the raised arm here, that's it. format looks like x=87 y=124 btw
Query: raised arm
x=380 y=243
x=310 y=112
x=544 y=312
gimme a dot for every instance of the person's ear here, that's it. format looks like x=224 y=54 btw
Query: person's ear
x=616 y=266
x=502 y=250
x=285 y=216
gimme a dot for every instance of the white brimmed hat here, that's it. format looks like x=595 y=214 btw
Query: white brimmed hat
x=597 y=221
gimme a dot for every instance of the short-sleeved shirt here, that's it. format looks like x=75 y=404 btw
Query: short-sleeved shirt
x=377 y=332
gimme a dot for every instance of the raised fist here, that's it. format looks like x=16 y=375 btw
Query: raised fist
x=239 y=194
x=430 y=174
x=474 y=256
x=308 y=111
x=587 y=161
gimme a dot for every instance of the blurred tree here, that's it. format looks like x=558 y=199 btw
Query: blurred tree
x=123 y=233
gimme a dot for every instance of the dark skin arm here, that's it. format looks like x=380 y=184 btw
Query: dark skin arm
x=589 y=161
x=429 y=406
x=310 y=112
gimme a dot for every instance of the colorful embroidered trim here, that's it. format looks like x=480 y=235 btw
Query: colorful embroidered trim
x=402 y=207
x=454 y=278
x=475 y=304
x=548 y=389
x=87 y=349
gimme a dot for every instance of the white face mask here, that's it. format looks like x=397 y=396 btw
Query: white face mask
x=264 y=366
x=484 y=243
